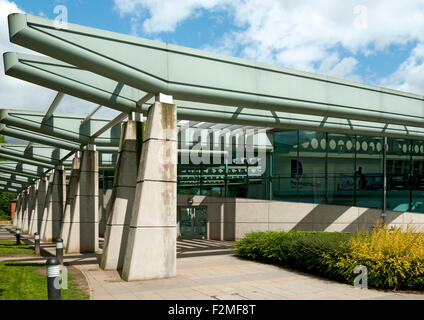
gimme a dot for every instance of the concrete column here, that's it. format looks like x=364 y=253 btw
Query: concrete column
x=47 y=206
x=24 y=222
x=84 y=230
x=56 y=206
x=122 y=199
x=104 y=204
x=151 y=247
x=70 y=201
x=101 y=213
x=17 y=211
x=31 y=204
x=33 y=196
x=41 y=199
x=38 y=206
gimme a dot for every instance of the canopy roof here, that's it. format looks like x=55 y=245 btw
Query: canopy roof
x=211 y=91
x=198 y=76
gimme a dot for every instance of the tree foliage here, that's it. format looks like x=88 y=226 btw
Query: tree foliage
x=5 y=197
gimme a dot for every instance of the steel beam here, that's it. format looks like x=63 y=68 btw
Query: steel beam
x=26 y=161
x=199 y=76
x=39 y=153
x=21 y=169
x=65 y=127
x=11 y=178
x=10 y=190
x=39 y=138
x=86 y=85
x=53 y=107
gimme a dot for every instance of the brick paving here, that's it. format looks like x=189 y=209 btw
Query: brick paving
x=208 y=270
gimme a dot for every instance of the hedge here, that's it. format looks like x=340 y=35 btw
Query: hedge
x=394 y=258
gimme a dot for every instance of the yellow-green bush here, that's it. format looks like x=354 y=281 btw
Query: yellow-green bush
x=394 y=258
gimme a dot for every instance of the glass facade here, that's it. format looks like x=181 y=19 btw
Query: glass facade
x=321 y=168
x=106 y=179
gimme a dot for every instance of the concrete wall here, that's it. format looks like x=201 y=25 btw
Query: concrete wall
x=230 y=219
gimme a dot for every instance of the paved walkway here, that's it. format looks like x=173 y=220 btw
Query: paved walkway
x=208 y=270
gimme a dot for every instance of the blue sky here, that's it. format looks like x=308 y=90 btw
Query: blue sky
x=197 y=31
x=350 y=39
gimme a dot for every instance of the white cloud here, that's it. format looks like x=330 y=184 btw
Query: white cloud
x=339 y=68
x=18 y=94
x=409 y=76
x=165 y=15
x=301 y=34
x=14 y=93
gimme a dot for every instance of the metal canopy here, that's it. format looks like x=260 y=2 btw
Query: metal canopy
x=194 y=75
x=40 y=153
x=49 y=157
x=26 y=161
x=51 y=73
x=66 y=127
x=21 y=169
x=8 y=189
x=8 y=184
x=16 y=178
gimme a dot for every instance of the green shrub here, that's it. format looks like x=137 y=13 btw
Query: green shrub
x=308 y=253
x=4 y=218
x=394 y=258
x=303 y=250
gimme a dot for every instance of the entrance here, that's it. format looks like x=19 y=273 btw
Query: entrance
x=192 y=223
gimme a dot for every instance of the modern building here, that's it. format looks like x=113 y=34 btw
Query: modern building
x=206 y=146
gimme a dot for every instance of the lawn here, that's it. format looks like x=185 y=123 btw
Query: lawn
x=9 y=247
x=26 y=281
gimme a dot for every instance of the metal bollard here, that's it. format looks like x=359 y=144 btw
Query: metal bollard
x=18 y=237
x=59 y=250
x=53 y=279
x=37 y=243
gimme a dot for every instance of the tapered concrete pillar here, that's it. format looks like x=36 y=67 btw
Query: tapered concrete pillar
x=104 y=204
x=33 y=195
x=42 y=196
x=17 y=211
x=47 y=206
x=24 y=224
x=70 y=201
x=122 y=199
x=84 y=230
x=32 y=192
x=101 y=213
x=55 y=209
x=38 y=206
x=151 y=247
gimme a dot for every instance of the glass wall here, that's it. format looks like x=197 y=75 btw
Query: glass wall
x=328 y=168
x=322 y=168
x=106 y=179
x=341 y=169
x=369 y=172
x=225 y=180
x=286 y=168
x=398 y=164
x=417 y=177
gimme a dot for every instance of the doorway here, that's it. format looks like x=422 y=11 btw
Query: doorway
x=192 y=223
